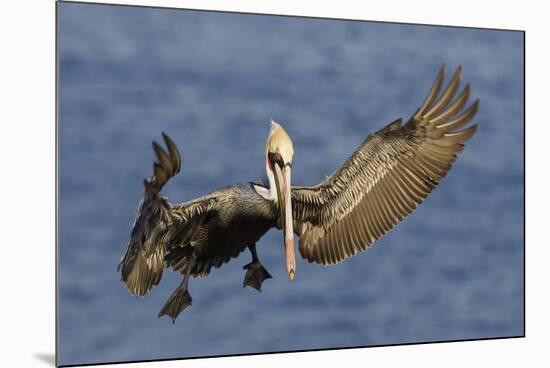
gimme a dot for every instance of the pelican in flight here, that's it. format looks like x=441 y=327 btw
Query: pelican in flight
x=381 y=183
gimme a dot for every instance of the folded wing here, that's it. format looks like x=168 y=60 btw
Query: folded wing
x=385 y=179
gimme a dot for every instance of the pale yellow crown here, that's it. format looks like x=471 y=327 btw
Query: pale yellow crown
x=279 y=141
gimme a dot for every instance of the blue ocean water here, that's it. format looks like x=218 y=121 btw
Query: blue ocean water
x=452 y=270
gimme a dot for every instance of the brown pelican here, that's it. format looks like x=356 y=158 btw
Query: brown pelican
x=382 y=182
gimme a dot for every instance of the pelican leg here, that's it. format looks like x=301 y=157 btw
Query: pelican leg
x=180 y=298
x=256 y=272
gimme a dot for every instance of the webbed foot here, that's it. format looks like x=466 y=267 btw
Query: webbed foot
x=178 y=301
x=255 y=275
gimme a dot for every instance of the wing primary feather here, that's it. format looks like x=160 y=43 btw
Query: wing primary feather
x=159 y=173
x=175 y=157
x=435 y=171
x=435 y=159
x=442 y=151
x=374 y=217
x=455 y=107
x=345 y=237
x=446 y=96
x=386 y=207
x=371 y=230
x=432 y=94
x=392 y=206
x=387 y=219
x=459 y=121
x=360 y=231
x=329 y=247
x=404 y=184
x=418 y=176
x=323 y=253
x=460 y=136
x=163 y=158
x=382 y=216
x=349 y=246
x=356 y=238
x=404 y=198
x=316 y=253
x=397 y=195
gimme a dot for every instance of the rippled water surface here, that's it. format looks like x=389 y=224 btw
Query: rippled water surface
x=453 y=270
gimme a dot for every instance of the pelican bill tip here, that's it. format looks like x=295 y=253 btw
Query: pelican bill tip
x=291 y=275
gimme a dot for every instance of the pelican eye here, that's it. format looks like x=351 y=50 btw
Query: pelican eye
x=276 y=157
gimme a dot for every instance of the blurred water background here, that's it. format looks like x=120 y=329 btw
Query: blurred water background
x=453 y=270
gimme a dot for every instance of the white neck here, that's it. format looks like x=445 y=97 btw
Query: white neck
x=268 y=193
x=272 y=187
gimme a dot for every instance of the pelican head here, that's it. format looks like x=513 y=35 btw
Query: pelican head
x=279 y=146
x=279 y=154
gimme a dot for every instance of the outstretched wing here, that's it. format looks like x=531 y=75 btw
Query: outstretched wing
x=385 y=179
x=142 y=263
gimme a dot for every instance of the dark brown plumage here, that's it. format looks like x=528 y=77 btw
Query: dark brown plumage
x=382 y=182
x=194 y=236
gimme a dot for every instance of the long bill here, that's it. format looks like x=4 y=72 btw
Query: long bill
x=282 y=181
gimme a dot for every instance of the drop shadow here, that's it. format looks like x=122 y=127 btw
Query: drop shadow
x=46 y=358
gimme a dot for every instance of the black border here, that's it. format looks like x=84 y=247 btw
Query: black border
x=268 y=352
x=56 y=112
